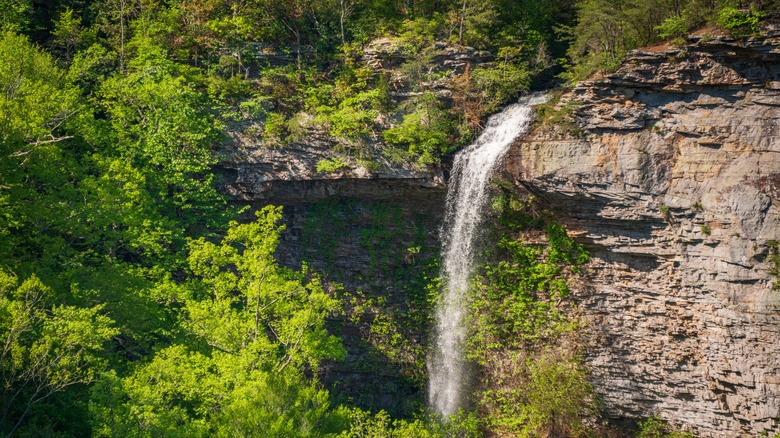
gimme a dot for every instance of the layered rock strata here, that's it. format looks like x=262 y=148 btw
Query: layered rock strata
x=669 y=171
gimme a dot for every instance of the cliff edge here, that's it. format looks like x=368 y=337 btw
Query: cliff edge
x=669 y=171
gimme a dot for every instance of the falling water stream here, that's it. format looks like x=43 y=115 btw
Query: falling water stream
x=466 y=200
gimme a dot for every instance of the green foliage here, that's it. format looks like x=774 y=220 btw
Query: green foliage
x=424 y=131
x=35 y=102
x=666 y=213
x=275 y=129
x=255 y=328
x=529 y=384
x=559 y=396
x=657 y=428
x=47 y=347
x=515 y=299
x=421 y=32
x=69 y=35
x=15 y=15
x=331 y=165
x=483 y=90
x=505 y=81
x=254 y=305
x=559 y=116
x=515 y=214
x=354 y=116
x=774 y=262
x=673 y=27
x=186 y=393
x=607 y=29
x=740 y=24
x=162 y=125
x=472 y=24
x=380 y=425
x=102 y=175
x=546 y=395
x=349 y=108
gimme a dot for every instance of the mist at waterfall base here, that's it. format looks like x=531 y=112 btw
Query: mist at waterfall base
x=466 y=200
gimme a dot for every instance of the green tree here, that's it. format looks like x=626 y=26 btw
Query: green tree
x=255 y=328
x=68 y=34
x=425 y=131
x=36 y=101
x=37 y=106
x=163 y=125
x=46 y=347
x=15 y=15
x=258 y=306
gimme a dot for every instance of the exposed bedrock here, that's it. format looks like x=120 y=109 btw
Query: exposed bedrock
x=669 y=171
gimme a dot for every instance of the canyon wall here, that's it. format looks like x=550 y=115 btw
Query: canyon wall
x=373 y=236
x=669 y=171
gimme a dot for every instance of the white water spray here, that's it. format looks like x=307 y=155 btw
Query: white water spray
x=466 y=199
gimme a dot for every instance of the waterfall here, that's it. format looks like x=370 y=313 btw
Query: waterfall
x=466 y=200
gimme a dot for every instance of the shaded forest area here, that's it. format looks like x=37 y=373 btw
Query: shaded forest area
x=131 y=302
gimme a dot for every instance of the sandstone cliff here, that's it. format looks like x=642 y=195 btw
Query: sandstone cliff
x=669 y=171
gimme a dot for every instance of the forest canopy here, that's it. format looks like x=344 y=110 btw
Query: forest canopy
x=131 y=301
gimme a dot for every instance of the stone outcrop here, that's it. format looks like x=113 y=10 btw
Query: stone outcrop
x=669 y=171
x=256 y=173
x=254 y=170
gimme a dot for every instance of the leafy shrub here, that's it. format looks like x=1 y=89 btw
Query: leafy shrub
x=275 y=129
x=673 y=27
x=560 y=116
x=557 y=398
x=354 y=116
x=283 y=87
x=380 y=425
x=421 y=31
x=298 y=126
x=331 y=165
x=515 y=300
x=740 y=24
x=587 y=66
x=229 y=89
x=425 y=131
x=425 y=136
x=349 y=107
x=666 y=213
x=774 y=262
x=657 y=428
x=503 y=82
x=396 y=155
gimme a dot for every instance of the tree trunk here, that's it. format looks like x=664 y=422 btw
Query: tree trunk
x=462 y=18
x=122 y=36
x=298 y=50
x=343 y=17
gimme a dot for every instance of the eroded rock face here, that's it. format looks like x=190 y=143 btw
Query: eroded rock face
x=672 y=179
x=253 y=169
